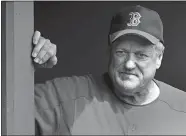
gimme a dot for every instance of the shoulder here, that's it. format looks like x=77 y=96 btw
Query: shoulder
x=71 y=82
x=64 y=88
x=55 y=99
x=174 y=97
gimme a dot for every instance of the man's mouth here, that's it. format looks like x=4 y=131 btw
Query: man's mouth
x=127 y=73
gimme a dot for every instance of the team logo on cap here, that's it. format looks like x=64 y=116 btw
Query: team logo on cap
x=134 y=19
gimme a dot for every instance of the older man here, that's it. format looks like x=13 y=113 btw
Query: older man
x=126 y=100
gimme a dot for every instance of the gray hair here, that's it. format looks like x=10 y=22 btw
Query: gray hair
x=159 y=47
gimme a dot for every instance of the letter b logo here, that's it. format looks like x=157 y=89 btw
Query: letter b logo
x=134 y=19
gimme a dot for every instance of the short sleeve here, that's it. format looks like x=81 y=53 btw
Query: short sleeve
x=48 y=112
x=51 y=116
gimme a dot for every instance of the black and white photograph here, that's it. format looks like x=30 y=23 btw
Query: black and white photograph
x=93 y=67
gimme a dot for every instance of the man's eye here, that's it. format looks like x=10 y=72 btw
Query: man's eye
x=120 y=52
x=141 y=55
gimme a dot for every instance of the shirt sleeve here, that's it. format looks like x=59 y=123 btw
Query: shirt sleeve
x=51 y=116
x=48 y=112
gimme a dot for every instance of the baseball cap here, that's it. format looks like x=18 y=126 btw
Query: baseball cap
x=137 y=20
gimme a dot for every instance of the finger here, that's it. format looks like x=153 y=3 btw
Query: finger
x=53 y=61
x=51 y=51
x=45 y=58
x=38 y=47
x=36 y=37
x=42 y=53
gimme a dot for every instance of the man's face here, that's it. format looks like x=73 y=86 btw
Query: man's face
x=133 y=63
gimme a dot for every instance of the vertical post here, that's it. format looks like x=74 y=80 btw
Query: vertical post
x=19 y=72
x=3 y=68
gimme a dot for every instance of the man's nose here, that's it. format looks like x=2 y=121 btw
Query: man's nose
x=130 y=62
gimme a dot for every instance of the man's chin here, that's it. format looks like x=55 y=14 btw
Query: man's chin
x=128 y=85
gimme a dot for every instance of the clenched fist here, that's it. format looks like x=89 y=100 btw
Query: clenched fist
x=44 y=51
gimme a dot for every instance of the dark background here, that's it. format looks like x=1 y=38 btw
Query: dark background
x=80 y=30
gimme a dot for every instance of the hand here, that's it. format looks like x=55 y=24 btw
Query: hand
x=44 y=52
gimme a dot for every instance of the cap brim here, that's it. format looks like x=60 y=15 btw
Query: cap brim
x=148 y=36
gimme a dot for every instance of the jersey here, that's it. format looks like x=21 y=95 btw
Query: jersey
x=80 y=105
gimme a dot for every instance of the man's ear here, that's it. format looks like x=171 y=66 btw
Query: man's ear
x=159 y=60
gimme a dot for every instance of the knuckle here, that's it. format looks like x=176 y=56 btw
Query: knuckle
x=39 y=56
x=37 y=32
x=42 y=39
x=47 y=44
x=45 y=48
x=47 y=41
x=36 y=37
x=54 y=46
x=45 y=58
x=35 y=40
x=50 y=53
